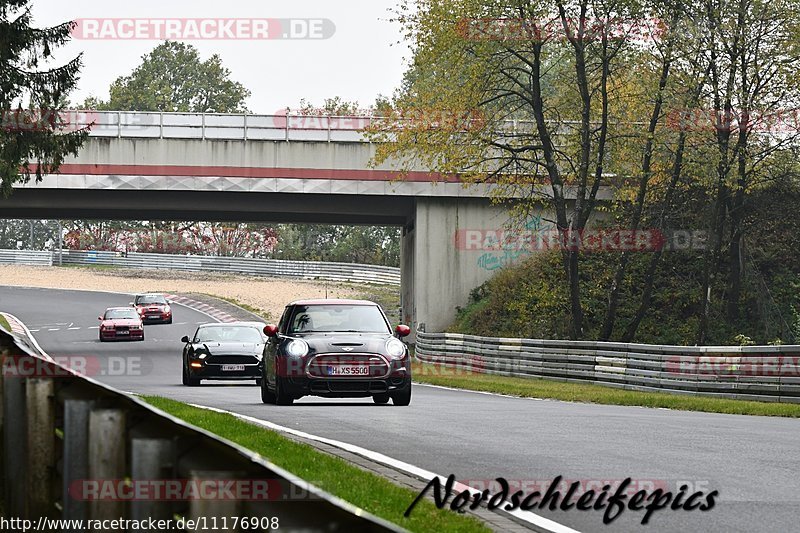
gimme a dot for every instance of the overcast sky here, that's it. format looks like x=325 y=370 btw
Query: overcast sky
x=361 y=60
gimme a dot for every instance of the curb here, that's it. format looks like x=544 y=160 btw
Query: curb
x=22 y=331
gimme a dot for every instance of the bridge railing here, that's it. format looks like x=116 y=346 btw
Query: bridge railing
x=764 y=373
x=243 y=126
x=76 y=449
x=290 y=126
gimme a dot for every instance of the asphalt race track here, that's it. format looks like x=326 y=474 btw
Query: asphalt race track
x=754 y=462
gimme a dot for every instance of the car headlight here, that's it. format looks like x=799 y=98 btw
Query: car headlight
x=167 y=309
x=395 y=349
x=297 y=348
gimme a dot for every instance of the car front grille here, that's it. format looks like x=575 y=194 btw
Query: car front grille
x=319 y=365
x=348 y=385
x=232 y=360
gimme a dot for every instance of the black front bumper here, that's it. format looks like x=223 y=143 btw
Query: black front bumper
x=215 y=372
x=345 y=387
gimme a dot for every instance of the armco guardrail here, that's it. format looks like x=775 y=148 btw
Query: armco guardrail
x=26 y=257
x=76 y=449
x=764 y=373
x=349 y=272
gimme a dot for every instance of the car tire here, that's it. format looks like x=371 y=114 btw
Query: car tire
x=258 y=381
x=267 y=395
x=169 y=321
x=403 y=397
x=189 y=381
x=281 y=397
x=381 y=399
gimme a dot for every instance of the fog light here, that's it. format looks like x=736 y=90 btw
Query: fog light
x=196 y=365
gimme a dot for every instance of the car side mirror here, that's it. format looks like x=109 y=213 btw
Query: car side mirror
x=185 y=339
x=402 y=331
x=271 y=330
x=132 y=304
x=100 y=318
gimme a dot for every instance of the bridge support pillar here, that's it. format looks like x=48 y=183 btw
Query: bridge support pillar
x=445 y=255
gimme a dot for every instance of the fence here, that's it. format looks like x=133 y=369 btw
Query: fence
x=764 y=373
x=76 y=449
x=321 y=270
x=26 y=257
x=242 y=126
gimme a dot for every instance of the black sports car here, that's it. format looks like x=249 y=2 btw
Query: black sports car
x=224 y=351
x=336 y=349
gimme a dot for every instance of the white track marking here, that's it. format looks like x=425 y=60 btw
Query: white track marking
x=29 y=335
x=525 y=516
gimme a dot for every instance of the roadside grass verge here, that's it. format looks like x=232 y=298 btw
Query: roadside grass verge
x=590 y=393
x=265 y=315
x=4 y=323
x=91 y=267
x=372 y=493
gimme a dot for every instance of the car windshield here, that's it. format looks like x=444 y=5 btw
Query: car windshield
x=228 y=334
x=150 y=299
x=338 y=318
x=113 y=314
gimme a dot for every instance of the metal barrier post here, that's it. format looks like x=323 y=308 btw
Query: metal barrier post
x=215 y=507
x=14 y=439
x=106 y=458
x=76 y=456
x=151 y=459
x=41 y=446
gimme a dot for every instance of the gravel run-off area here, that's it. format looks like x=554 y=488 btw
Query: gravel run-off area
x=267 y=295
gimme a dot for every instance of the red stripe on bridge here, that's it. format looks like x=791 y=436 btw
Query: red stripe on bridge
x=205 y=171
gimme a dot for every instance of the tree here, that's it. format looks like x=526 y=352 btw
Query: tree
x=545 y=78
x=173 y=78
x=33 y=138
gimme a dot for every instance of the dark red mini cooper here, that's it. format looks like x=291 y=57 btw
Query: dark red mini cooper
x=336 y=349
x=153 y=308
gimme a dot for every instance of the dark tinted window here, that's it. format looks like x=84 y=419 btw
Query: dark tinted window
x=340 y=318
x=148 y=299
x=121 y=314
x=228 y=334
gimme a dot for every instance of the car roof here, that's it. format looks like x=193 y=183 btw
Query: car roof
x=150 y=294
x=332 y=301
x=239 y=323
x=120 y=309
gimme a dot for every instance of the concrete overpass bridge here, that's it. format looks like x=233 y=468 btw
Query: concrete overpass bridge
x=276 y=168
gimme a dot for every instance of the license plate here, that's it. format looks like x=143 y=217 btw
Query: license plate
x=123 y=332
x=232 y=368
x=348 y=370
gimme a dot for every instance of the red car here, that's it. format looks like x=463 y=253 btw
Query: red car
x=153 y=308
x=121 y=323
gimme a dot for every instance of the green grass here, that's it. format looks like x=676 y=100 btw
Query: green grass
x=4 y=323
x=93 y=267
x=387 y=296
x=267 y=317
x=372 y=493
x=589 y=393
